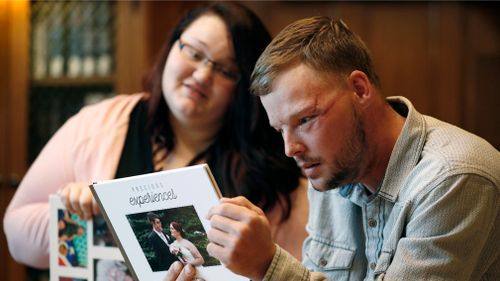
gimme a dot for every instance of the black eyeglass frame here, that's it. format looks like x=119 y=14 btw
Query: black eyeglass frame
x=198 y=56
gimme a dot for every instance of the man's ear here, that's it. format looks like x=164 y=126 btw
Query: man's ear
x=361 y=86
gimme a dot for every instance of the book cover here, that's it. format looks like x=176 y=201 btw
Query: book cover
x=159 y=218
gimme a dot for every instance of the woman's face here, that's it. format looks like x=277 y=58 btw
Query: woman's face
x=196 y=90
x=174 y=232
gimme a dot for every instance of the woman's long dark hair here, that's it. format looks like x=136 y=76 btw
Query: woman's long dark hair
x=247 y=156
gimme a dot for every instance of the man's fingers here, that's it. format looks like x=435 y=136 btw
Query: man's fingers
x=243 y=202
x=225 y=224
x=217 y=251
x=220 y=237
x=232 y=211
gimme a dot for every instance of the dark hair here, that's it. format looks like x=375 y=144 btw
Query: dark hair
x=177 y=226
x=320 y=42
x=152 y=217
x=247 y=156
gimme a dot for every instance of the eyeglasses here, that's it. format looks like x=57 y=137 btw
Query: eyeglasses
x=197 y=57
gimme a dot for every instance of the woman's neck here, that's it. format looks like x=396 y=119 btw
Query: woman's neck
x=189 y=142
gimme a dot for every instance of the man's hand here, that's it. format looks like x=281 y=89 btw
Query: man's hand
x=77 y=197
x=240 y=237
x=178 y=272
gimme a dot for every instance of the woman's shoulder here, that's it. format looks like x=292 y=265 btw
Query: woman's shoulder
x=186 y=243
x=106 y=115
x=112 y=109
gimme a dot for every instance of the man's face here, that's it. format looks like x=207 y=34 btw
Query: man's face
x=157 y=225
x=320 y=125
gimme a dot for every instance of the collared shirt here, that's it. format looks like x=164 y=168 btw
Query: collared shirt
x=434 y=217
x=162 y=236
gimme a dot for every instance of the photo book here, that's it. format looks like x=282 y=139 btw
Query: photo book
x=159 y=218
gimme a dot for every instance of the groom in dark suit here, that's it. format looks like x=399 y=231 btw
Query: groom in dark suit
x=160 y=242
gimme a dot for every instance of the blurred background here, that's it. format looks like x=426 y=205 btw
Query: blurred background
x=56 y=57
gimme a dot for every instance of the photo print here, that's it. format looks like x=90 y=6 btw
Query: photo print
x=170 y=235
x=102 y=234
x=106 y=270
x=72 y=240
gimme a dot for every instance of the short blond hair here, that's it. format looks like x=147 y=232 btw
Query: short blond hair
x=325 y=44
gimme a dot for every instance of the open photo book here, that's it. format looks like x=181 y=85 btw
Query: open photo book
x=159 y=218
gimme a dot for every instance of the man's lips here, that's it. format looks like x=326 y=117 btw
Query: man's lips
x=309 y=169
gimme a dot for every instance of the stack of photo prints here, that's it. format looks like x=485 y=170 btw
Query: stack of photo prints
x=147 y=223
x=82 y=250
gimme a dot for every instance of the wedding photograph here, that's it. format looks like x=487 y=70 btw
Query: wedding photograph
x=170 y=235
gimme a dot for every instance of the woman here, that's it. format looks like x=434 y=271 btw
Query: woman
x=197 y=108
x=183 y=248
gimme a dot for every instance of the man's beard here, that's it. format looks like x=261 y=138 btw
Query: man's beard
x=348 y=164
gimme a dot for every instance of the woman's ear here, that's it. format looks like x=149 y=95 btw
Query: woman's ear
x=361 y=85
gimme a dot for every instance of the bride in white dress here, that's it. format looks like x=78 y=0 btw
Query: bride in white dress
x=185 y=251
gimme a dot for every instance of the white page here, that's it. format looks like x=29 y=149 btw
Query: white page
x=182 y=195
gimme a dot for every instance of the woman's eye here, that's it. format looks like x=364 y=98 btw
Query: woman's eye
x=195 y=55
x=228 y=73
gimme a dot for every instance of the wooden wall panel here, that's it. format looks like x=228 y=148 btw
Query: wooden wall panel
x=14 y=17
x=150 y=23
x=131 y=56
x=482 y=66
x=163 y=16
x=399 y=41
x=446 y=71
x=441 y=55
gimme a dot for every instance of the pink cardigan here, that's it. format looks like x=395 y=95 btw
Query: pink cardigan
x=86 y=148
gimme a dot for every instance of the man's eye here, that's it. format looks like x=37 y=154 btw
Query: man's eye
x=305 y=120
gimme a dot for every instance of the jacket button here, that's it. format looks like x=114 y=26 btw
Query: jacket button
x=322 y=262
x=373 y=265
x=372 y=222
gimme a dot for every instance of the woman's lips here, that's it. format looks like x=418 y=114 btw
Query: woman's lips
x=195 y=92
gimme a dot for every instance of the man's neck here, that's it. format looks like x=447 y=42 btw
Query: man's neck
x=383 y=127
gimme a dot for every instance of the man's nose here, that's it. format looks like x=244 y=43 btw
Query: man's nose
x=293 y=146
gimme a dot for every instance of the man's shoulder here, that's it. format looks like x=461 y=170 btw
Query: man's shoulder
x=450 y=156
x=452 y=150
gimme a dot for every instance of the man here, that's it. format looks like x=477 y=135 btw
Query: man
x=396 y=195
x=160 y=242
